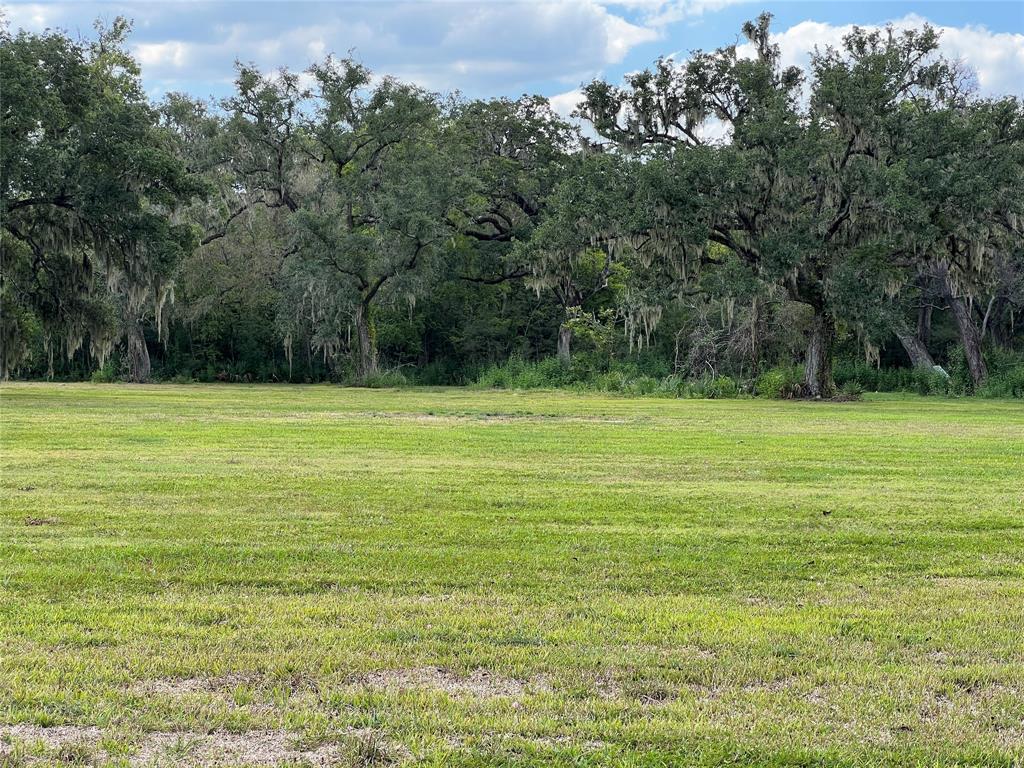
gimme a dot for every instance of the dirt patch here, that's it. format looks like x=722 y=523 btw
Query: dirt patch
x=991 y=691
x=41 y=521
x=607 y=687
x=480 y=683
x=818 y=696
x=777 y=685
x=52 y=738
x=216 y=749
x=653 y=694
x=1010 y=738
x=184 y=686
x=568 y=741
x=209 y=750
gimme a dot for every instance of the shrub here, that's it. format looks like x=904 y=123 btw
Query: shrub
x=781 y=383
x=1007 y=383
x=851 y=390
x=104 y=375
x=672 y=385
x=493 y=377
x=548 y=373
x=638 y=378
x=712 y=388
x=923 y=381
x=930 y=382
x=721 y=387
x=612 y=381
x=643 y=385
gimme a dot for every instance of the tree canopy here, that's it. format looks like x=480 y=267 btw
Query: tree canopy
x=91 y=192
x=721 y=214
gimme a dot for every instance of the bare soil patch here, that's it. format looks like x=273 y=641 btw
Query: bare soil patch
x=183 y=686
x=480 y=683
x=206 y=750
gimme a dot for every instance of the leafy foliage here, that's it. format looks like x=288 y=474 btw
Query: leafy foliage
x=90 y=185
x=855 y=218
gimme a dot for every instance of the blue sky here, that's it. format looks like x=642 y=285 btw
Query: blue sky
x=507 y=48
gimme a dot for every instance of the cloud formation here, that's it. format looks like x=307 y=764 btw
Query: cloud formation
x=476 y=47
x=480 y=47
x=996 y=58
x=661 y=13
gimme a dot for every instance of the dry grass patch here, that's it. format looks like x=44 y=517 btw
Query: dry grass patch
x=73 y=745
x=480 y=683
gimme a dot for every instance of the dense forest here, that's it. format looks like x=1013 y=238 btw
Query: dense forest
x=714 y=226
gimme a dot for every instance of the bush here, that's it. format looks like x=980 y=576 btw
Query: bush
x=923 y=381
x=613 y=381
x=517 y=373
x=1005 y=374
x=781 y=383
x=672 y=385
x=634 y=378
x=930 y=382
x=1007 y=383
x=721 y=387
x=643 y=385
x=104 y=375
x=851 y=390
x=711 y=388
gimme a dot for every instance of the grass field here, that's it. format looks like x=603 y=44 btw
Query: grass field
x=326 y=576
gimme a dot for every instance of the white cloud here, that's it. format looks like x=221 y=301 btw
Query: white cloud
x=623 y=36
x=661 y=13
x=565 y=103
x=172 y=55
x=715 y=131
x=28 y=15
x=997 y=58
x=479 y=47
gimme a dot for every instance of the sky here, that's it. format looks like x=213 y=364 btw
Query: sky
x=501 y=48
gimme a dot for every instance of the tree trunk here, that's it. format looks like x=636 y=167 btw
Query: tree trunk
x=970 y=336
x=138 y=354
x=756 y=319
x=918 y=353
x=924 y=323
x=366 y=354
x=818 y=363
x=564 y=339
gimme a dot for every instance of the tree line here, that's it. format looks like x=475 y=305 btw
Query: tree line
x=722 y=214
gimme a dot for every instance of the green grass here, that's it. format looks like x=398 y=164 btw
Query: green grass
x=454 y=577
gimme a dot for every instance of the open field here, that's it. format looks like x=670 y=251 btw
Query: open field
x=448 y=577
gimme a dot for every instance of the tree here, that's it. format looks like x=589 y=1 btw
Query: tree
x=377 y=212
x=787 y=190
x=960 y=208
x=584 y=237
x=514 y=153
x=246 y=148
x=90 y=190
x=319 y=223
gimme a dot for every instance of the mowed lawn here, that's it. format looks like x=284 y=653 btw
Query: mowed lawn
x=328 y=576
